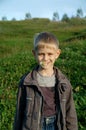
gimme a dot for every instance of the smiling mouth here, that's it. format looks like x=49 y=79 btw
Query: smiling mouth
x=43 y=64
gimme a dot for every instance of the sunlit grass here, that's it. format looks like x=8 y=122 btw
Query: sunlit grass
x=16 y=44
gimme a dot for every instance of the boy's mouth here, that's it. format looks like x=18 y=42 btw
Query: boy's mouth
x=43 y=64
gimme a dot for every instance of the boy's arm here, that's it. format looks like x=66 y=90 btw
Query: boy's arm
x=71 y=116
x=19 y=109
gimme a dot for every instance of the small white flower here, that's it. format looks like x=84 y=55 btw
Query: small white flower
x=42 y=63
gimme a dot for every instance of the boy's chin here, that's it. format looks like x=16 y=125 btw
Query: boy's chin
x=43 y=66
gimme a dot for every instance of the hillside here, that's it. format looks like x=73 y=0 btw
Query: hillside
x=16 y=43
x=15 y=34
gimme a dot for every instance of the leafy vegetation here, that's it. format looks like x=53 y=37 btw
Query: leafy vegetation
x=16 y=42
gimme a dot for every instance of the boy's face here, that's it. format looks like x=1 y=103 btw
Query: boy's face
x=46 y=55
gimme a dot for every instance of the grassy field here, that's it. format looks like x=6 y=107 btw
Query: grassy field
x=16 y=43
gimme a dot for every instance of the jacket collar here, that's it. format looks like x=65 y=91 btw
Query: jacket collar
x=30 y=78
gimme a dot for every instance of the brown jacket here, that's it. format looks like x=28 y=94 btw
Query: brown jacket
x=30 y=101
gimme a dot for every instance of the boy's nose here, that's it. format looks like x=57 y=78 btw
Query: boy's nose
x=45 y=57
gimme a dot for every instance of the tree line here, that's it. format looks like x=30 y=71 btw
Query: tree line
x=55 y=16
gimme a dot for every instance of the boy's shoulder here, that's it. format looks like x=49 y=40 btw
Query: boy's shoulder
x=62 y=78
x=22 y=78
x=27 y=78
x=60 y=75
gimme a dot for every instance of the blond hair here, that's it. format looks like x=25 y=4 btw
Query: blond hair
x=45 y=37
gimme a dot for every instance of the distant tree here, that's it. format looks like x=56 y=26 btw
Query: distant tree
x=72 y=16
x=65 y=18
x=55 y=16
x=27 y=16
x=79 y=13
x=13 y=19
x=4 y=18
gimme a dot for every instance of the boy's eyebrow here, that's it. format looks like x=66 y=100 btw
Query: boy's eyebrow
x=45 y=46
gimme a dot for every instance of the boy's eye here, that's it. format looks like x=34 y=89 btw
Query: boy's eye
x=50 y=54
x=40 y=54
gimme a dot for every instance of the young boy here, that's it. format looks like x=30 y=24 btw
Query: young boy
x=44 y=100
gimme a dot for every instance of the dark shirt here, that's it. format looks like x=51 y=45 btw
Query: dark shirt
x=49 y=101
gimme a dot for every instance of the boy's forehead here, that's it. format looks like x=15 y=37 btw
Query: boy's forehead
x=46 y=45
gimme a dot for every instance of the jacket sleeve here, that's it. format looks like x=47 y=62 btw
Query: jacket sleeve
x=71 y=116
x=19 y=109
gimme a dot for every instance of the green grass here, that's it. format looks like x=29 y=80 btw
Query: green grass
x=16 y=43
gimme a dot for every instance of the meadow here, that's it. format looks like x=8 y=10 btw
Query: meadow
x=16 y=43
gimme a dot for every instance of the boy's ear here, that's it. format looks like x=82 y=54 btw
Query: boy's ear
x=33 y=51
x=58 y=53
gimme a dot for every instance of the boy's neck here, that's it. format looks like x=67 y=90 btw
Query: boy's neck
x=46 y=72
